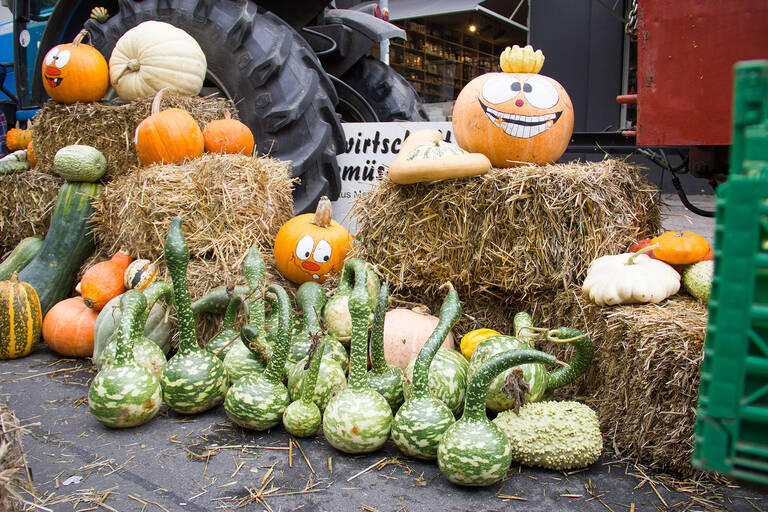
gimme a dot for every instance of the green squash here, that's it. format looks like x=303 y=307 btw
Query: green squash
x=302 y=417
x=474 y=451
x=310 y=298
x=358 y=419
x=257 y=401
x=221 y=344
x=193 y=380
x=330 y=380
x=338 y=319
x=448 y=377
x=126 y=394
x=385 y=379
x=77 y=162
x=20 y=256
x=242 y=360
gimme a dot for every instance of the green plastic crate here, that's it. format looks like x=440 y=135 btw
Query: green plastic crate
x=732 y=422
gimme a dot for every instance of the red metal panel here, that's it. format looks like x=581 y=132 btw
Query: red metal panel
x=686 y=51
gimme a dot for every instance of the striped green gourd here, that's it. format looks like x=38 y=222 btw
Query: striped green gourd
x=126 y=394
x=384 y=378
x=22 y=254
x=338 y=319
x=474 y=451
x=302 y=417
x=448 y=377
x=193 y=380
x=330 y=380
x=310 y=298
x=248 y=354
x=434 y=149
x=215 y=302
x=257 y=401
x=146 y=350
x=221 y=344
x=358 y=419
x=421 y=420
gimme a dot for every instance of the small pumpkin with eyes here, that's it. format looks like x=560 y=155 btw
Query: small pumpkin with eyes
x=75 y=72
x=311 y=246
x=517 y=116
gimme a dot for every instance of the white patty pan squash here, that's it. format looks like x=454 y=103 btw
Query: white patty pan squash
x=154 y=55
x=629 y=278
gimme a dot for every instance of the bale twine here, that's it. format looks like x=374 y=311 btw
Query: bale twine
x=15 y=477
x=110 y=127
x=27 y=200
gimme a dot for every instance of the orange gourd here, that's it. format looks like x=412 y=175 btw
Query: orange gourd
x=17 y=139
x=228 y=136
x=104 y=281
x=31 y=155
x=68 y=328
x=472 y=339
x=75 y=72
x=311 y=246
x=517 y=116
x=680 y=247
x=168 y=136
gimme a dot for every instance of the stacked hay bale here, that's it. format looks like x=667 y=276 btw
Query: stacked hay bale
x=15 y=477
x=27 y=200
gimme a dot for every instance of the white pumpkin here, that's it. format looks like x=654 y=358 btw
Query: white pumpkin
x=629 y=278
x=154 y=55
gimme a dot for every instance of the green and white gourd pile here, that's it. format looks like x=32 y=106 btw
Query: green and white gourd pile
x=383 y=378
x=193 y=380
x=448 y=377
x=221 y=344
x=126 y=394
x=421 y=421
x=257 y=401
x=474 y=451
x=310 y=298
x=358 y=419
x=336 y=313
x=302 y=418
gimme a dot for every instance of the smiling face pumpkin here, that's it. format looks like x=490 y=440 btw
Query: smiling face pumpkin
x=75 y=72
x=513 y=118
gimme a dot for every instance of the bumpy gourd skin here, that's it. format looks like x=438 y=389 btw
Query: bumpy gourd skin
x=448 y=377
x=222 y=343
x=421 y=421
x=193 y=380
x=474 y=451
x=358 y=419
x=385 y=379
x=125 y=394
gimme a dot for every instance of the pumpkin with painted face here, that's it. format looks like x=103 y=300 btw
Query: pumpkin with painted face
x=517 y=116
x=75 y=72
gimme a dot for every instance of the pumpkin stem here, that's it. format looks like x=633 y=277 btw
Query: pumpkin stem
x=323 y=213
x=80 y=36
x=647 y=248
x=156 y=101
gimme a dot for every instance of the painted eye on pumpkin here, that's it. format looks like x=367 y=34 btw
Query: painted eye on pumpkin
x=322 y=252
x=501 y=89
x=304 y=247
x=51 y=56
x=62 y=59
x=540 y=93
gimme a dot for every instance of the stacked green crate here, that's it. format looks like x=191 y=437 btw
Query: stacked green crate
x=732 y=422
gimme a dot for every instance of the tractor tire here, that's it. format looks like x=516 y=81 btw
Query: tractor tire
x=386 y=91
x=268 y=70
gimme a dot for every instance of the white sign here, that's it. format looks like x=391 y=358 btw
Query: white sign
x=371 y=148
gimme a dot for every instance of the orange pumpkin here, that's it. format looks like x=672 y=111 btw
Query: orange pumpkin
x=75 y=72
x=170 y=136
x=104 y=281
x=17 y=139
x=68 y=328
x=228 y=136
x=514 y=117
x=680 y=247
x=31 y=155
x=311 y=246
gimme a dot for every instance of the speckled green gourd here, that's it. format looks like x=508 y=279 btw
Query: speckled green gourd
x=474 y=451
x=221 y=344
x=336 y=314
x=147 y=351
x=330 y=380
x=421 y=421
x=78 y=162
x=302 y=417
x=358 y=419
x=193 y=380
x=126 y=394
x=385 y=379
x=257 y=401
x=310 y=299
x=247 y=356
x=448 y=377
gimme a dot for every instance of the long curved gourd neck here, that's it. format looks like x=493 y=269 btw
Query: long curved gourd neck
x=311 y=373
x=359 y=310
x=578 y=364
x=276 y=362
x=132 y=303
x=350 y=275
x=449 y=314
x=253 y=268
x=310 y=297
x=477 y=391
x=252 y=340
x=176 y=259
x=522 y=323
x=230 y=315
x=378 y=362
x=153 y=293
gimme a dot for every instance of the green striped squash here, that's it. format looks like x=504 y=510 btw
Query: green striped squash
x=302 y=417
x=385 y=379
x=21 y=319
x=448 y=377
x=434 y=149
x=336 y=314
x=20 y=256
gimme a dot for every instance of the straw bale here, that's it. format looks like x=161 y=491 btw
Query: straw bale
x=523 y=231
x=15 y=478
x=110 y=127
x=27 y=200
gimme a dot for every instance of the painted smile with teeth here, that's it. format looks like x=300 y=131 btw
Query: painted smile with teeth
x=520 y=126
